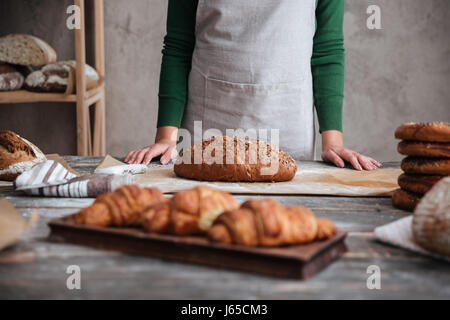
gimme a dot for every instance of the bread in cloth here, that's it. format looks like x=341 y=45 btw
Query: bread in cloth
x=26 y=50
x=405 y=200
x=10 y=78
x=17 y=155
x=188 y=212
x=59 y=77
x=431 y=219
x=235 y=159
x=433 y=132
x=418 y=183
x=424 y=149
x=434 y=166
x=265 y=222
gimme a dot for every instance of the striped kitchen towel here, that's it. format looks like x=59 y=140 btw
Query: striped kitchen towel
x=399 y=233
x=52 y=179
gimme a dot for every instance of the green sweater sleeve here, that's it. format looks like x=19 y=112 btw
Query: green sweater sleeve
x=179 y=45
x=328 y=64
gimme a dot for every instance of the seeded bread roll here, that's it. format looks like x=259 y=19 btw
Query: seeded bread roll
x=424 y=149
x=416 y=183
x=235 y=159
x=405 y=200
x=433 y=132
x=26 y=50
x=10 y=78
x=415 y=165
x=17 y=155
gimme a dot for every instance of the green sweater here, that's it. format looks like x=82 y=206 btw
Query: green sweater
x=327 y=62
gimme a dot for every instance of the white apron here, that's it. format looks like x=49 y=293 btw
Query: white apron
x=251 y=69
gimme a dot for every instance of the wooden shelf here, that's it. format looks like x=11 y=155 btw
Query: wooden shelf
x=23 y=96
x=83 y=99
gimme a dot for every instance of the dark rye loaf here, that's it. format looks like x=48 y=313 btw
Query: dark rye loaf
x=245 y=166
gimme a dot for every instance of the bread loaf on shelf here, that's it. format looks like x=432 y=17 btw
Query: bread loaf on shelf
x=10 y=78
x=26 y=50
x=235 y=159
x=17 y=155
x=59 y=77
x=265 y=222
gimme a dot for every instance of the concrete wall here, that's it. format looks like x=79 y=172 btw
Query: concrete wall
x=397 y=74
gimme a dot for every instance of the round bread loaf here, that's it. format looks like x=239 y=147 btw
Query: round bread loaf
x=405 y=200
x=17 y=155
x=10 y=78
x=424 y=149
x=431 y=219
x=51 y=78
x=438 y=166
x=26 y=50
x=433 y=132
x=420 y=184
x=235 y=159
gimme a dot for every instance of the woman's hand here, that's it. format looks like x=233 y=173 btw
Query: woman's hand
x=165 y=146
x=333 y=151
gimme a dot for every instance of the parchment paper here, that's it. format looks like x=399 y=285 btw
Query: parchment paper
x=312 y=181
x=12 y=224
x=58 y=158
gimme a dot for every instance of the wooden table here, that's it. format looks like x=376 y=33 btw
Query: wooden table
x=36 y=268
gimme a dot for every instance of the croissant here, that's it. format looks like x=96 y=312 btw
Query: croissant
x=121 y=208
x=265 y=222
x=188 y=212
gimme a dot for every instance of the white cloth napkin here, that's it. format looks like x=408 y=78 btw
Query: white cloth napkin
x=52 y=179
x=399 y=233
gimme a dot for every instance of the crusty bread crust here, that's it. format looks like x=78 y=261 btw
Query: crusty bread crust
x=424 y=149
x=241 y=169
x=405 y=200
x=433 y=132
x=13 y=149
x=16 y=155
x=10 y=78
x=439 y=166
x=420 y=184
x=27 y=50
x=431 y=219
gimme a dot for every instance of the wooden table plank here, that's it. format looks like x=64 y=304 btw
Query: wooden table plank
x=36 y=268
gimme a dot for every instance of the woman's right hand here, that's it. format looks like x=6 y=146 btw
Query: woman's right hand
x=165 y=146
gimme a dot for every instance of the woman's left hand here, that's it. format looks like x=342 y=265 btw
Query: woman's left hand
x=333 y=151
x=338 y=155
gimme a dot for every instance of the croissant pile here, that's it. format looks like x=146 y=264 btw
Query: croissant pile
x=203 y=210
x=265 y=222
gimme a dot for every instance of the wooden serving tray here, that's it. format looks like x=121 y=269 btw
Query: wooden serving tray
x=299 y=261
